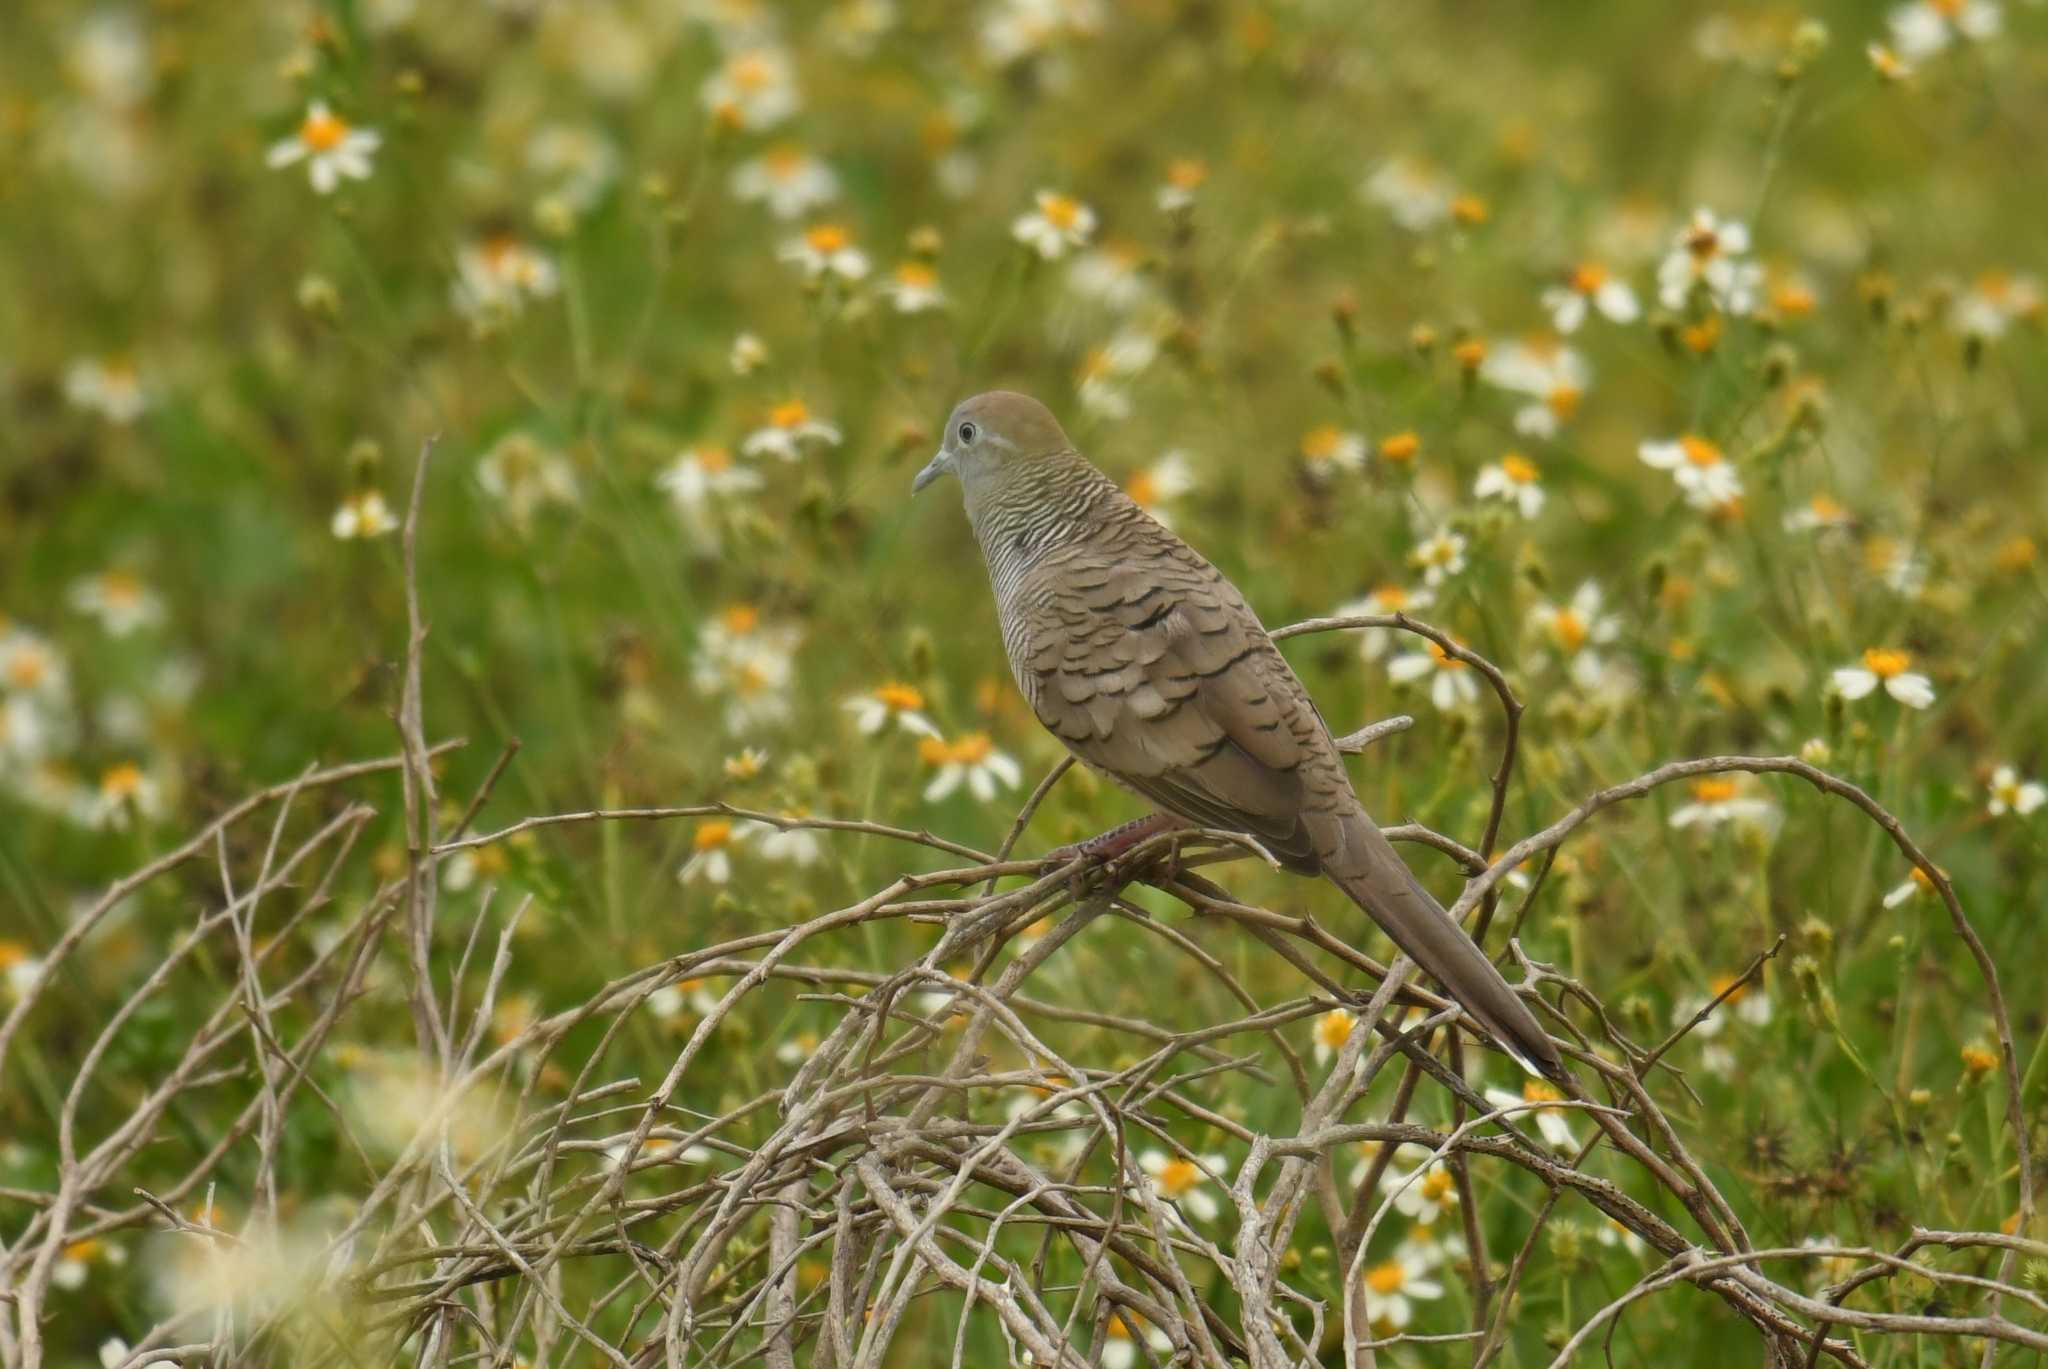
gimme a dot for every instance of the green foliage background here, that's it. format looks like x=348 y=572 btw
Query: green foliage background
x=295 y=349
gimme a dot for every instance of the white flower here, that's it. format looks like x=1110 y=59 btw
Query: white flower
x=711 y=848
x=1702 y=471
x=1451 y=686
x=790 y=181
x=362 y=514
x=1576 y=628
x=1110 y=276
x=75 y=1263
x=29 y=665
x=1611 y=1233
x=1749 y=1005
x=1152 y=487
x=1926 y=27
x=659 y=1150
x=902 y=703
x=796 y=1049
x=748 y=354
x=1058 y=223
x=1439 y=556
x=750 y=664
x=701 y=478
x=826 y=250
x=31 y=728
x=330 y=148
x=1718 y=799
x=113 y=1353
x=120 y=601
x=1183 y=1182
x=1416 y=195
x=109 y=59
x=19 y=970
x=1120 y=1348
x=125 y=792
x=1590 y=286
x=1392 y=1287
x=754 y=89
x=1552 y=1122
x=798 y=846
x=1818 y=514
x=1184 y=176
x=973 y=760
x=1327 y=447
x=913 y=287
x=110 y=387
x=1433 y=1192
x=1710 y=253
x=2011 y=794
x=1552 y=374
x=1993 y=303
x=1332 y=1030
x=495 y=276
x=1514 y=479
x=577 y=164
x=1106 y=369
x=523 y=475
x=1386 y=599
x=1887 y=667
x=1913 y=886
x=789 y=427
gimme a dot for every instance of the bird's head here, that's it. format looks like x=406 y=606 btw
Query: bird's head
x=992 y=436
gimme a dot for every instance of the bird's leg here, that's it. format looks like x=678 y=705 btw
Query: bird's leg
x=1104 y=847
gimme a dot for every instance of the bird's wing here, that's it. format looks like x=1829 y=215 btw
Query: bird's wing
x=1151 y=667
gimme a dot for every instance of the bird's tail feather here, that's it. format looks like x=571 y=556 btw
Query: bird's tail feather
x=1379 y=881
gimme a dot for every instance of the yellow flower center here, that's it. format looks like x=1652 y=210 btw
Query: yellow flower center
x=1702 y=242
x=1713 y=789
x=916 y=275
x=1437 y=1185
x=121 y=781
x=1569 y=630
x=1470 y=210
x=828 y=237
x=1793 y=301
x=1947 y=9
x=1536 y=1091
x=1401 y=447
x=1520 y=469
x=1978 y=1060
x=82 y=1251
x=1178 y=1176
x=740 y=619
x=120 y=588
x=752 y=71
x=1444 y=659
x=1142 y=488
x=1392 y=598
x=790 y=413
x=1386 y=1278
x=1827 y=508
x=1333 y=1028
x=12 y=953
x=1320 y=443
x=900 y=697
x=784 y=161
x=1470 y=353
x=29 y=667
x=1588 y=277
x=1061 y=211
x=713 y=835
x=1885 y=662
x=1116 y=1329
x=1724 y=983
x=1185 y=173
x=1564 y=401
x=713 y=459
x=933 y=751
x=1699 y=452
x=973 y=748
x=322 y=131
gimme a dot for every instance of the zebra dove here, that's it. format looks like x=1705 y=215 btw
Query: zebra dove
x=1149 y=665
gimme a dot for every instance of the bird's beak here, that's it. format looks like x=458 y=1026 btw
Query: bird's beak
x=933 y=469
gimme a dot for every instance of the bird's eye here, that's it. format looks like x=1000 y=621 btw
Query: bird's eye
x=966 y=433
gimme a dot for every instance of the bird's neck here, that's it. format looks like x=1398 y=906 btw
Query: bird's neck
x=1032 y=511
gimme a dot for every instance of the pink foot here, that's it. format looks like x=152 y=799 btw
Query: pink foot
x=1107 y=846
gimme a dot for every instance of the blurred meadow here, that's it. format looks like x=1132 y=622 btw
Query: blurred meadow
x=1685 y=361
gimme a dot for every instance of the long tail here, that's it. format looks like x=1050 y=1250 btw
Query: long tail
x=1365 y=866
